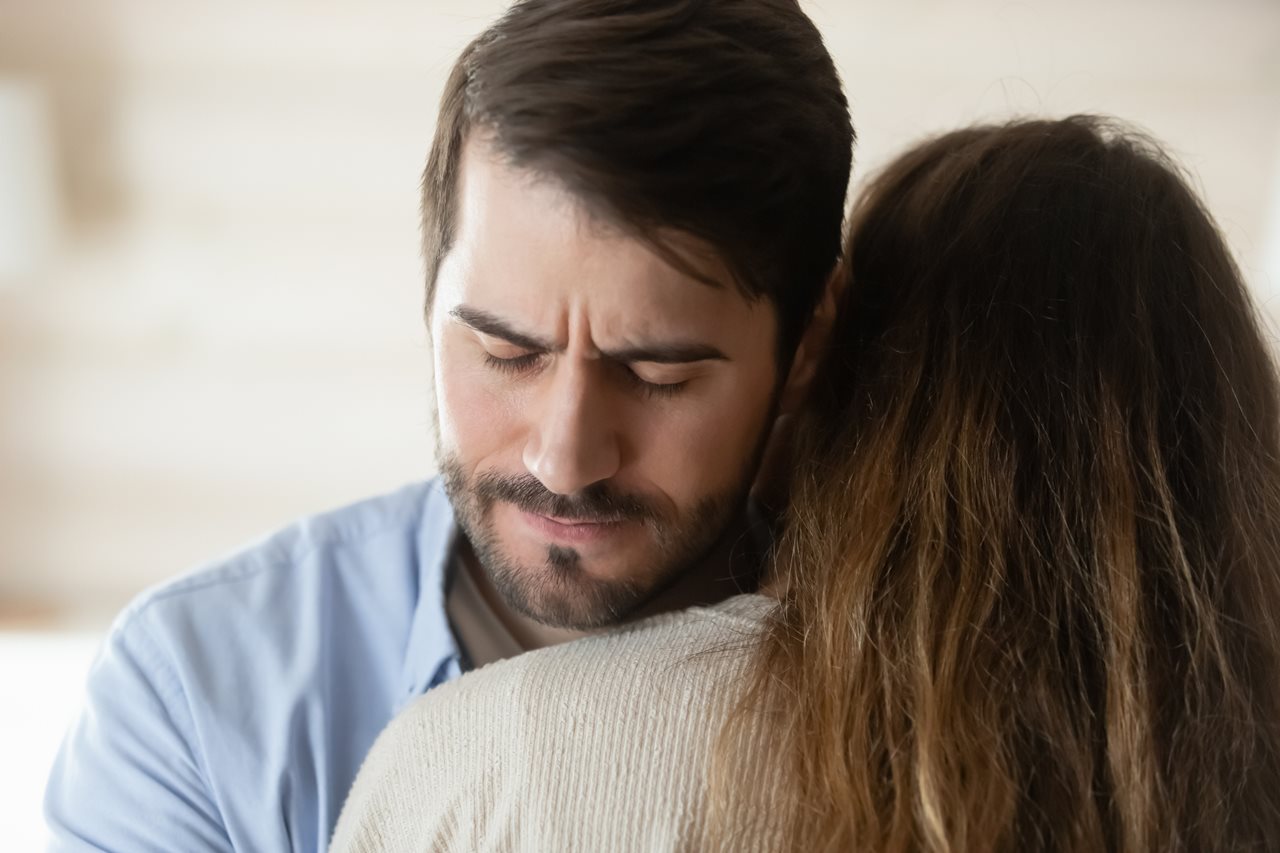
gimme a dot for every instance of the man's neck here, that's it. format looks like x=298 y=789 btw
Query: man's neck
x=730 y=568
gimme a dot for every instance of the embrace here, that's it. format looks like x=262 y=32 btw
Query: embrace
x=942 y=519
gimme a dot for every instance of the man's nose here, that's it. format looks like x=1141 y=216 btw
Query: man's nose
x=573 y=442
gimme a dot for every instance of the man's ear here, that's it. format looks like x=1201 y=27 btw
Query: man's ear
x=773 y=480
x=813 y=344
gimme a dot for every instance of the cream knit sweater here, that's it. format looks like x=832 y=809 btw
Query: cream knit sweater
x=598 y=745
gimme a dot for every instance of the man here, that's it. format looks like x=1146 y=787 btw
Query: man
x=631 y=210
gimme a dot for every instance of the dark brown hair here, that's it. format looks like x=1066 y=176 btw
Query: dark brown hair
x=718 y=120
x=1031 y=575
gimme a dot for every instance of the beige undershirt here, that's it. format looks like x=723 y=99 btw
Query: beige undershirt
x=478 y=630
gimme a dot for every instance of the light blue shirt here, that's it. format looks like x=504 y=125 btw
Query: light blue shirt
x=231 y=709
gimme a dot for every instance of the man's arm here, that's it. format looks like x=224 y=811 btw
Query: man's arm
x=130 y=775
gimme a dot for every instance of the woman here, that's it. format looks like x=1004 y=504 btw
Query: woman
x=1028 y=592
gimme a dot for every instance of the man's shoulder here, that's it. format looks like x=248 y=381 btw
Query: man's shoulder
x=250 y=689
x=372 y=543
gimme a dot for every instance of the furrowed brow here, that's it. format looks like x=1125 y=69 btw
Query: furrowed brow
x=485 y=323
x=667 y=353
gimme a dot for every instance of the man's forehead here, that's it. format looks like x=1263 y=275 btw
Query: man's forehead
x=524 y=251
x=491 y=183
x=491 y=180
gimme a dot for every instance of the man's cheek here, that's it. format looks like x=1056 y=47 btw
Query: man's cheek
x=699 y=452
x=476 y=419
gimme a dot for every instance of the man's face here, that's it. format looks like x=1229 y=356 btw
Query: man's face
x=600 y=414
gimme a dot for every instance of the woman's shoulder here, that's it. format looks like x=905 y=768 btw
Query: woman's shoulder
x=631 y=711
x=647 y=646
x=651 y=654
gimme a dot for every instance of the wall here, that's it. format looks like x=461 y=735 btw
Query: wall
x=229 y=334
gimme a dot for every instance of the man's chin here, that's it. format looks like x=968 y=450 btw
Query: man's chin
x=561 y=597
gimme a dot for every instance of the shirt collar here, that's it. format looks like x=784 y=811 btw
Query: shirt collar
x=431 y=646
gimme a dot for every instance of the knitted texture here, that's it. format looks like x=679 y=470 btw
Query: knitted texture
x=602 y=744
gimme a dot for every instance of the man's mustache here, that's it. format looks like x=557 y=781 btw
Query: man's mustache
x=596 y=504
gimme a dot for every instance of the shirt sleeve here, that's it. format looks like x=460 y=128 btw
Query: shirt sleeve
x=129 y=775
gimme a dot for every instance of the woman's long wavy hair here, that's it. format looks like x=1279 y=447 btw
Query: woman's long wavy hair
x=1030 y=579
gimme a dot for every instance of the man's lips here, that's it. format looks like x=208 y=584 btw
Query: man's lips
x=570 y=530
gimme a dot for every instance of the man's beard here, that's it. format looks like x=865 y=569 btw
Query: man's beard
x=561 y=592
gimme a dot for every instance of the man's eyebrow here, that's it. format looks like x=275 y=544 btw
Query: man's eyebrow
x=485 y=323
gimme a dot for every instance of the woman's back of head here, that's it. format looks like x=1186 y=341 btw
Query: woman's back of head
x=1030 y=572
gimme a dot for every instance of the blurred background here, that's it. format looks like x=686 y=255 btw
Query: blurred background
x=209 y=278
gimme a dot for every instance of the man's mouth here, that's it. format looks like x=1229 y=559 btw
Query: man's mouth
x=570 y=530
